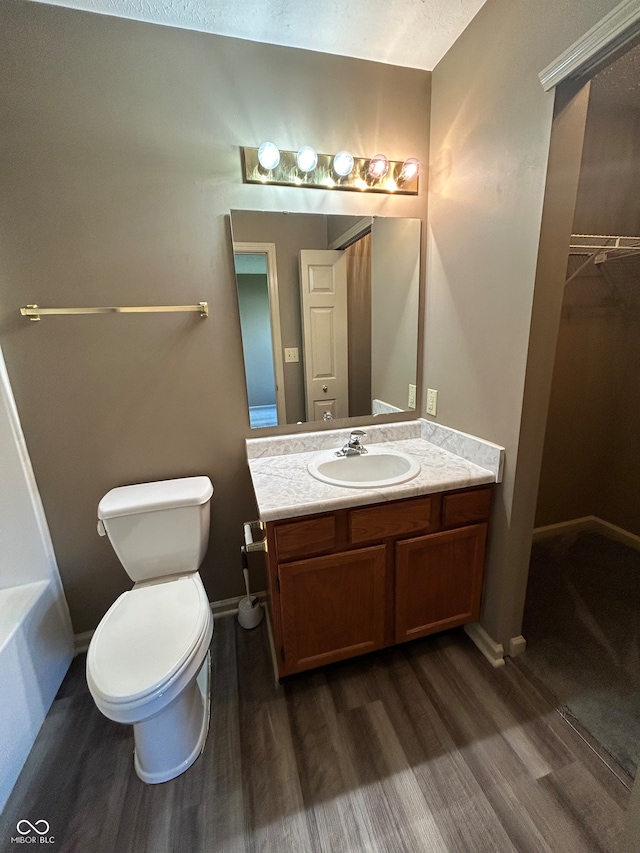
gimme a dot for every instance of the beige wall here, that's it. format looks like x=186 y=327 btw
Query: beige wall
x=119 y=164
x=582 y=414
x=395 y=284
x=591 y=461
x=359 y=325
x=608 y=197
x=620 y=503
x=491 y=127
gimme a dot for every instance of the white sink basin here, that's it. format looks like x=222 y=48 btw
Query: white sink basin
x=378 y=467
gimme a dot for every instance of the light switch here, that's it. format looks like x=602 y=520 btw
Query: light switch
x=412 y=397
x=432 y=401
x=291 y=354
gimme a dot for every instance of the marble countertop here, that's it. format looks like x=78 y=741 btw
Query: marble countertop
x=285 y=489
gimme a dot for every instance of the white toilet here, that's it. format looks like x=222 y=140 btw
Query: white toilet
x=148 y=661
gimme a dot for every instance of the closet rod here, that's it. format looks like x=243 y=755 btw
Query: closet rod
x=34 y=312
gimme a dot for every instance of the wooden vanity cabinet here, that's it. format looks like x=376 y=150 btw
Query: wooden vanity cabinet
x=439 y=581
x=355 y=580
x=332 y=607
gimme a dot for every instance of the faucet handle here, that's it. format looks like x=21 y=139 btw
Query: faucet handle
x=353 y=447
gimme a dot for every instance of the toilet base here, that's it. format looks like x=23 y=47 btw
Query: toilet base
x=168 y=744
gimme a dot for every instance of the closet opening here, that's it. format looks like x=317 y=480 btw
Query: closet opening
x=582 y=609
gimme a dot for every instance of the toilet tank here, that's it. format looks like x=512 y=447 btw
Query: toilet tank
x=158 y=529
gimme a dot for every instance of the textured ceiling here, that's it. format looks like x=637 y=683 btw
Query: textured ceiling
x=413 y=33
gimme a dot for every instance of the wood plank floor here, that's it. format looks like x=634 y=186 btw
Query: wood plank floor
x=419 y=748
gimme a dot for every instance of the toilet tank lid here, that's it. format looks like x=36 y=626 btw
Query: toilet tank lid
x=150 y=497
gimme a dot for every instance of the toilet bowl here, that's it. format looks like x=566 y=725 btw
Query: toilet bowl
x=148 y=661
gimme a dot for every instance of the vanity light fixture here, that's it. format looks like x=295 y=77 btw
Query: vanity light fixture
x=269 y=155
x=307 y=159
x=342 y=171
x=410 y=169
x=378 y=167
x=343 y=163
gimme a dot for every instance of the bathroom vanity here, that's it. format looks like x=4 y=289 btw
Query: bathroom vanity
x=352 y=570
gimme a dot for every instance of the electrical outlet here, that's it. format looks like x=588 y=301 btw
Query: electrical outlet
x=432 y=401
x=291 y=354
x=412 y=397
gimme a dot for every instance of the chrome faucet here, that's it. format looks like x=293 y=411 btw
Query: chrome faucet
x=354 y=446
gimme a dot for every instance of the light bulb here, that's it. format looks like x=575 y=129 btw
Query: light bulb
x=343 y=163
x=307 y=159
x=378 y=167
x=410 y=169
x=268 y=155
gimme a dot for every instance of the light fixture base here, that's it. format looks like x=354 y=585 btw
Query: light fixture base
x=324 y=177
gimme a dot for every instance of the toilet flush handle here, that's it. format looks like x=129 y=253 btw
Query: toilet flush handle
x=101 y=530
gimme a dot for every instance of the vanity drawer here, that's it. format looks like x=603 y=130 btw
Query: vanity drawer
x=305 y=537
x=400 y=518
x=466 y=507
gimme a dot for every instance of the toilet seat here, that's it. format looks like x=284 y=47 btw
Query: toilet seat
x=146 y=641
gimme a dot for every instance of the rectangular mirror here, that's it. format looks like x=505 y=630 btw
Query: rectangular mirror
x=328 y=314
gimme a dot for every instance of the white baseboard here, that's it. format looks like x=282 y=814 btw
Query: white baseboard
x=229 y=606
x=572 y=526
x=589 y=522
x=517 y=646
x=494 y=652
x=81 y=642
x=223 y=607
x=618 y=533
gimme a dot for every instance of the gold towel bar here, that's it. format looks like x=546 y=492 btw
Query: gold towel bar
x=33 y=312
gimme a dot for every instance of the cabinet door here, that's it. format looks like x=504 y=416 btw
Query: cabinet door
x=439 y=581
x=332 y=607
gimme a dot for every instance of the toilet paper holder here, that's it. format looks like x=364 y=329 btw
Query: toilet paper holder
x=250 y=542
x=250 y=613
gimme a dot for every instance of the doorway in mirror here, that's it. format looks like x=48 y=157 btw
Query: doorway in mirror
x=257 y=289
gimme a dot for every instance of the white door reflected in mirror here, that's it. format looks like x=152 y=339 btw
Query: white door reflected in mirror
x=323 y=297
